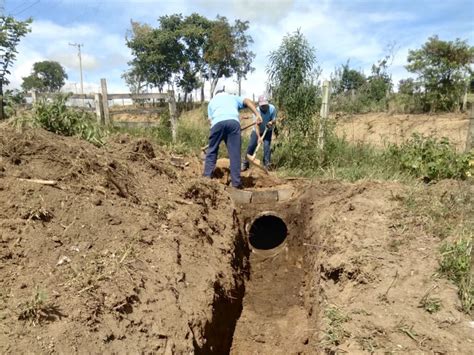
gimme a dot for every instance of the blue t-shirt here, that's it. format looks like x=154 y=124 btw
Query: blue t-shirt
x=224 y=107
x=266 y=117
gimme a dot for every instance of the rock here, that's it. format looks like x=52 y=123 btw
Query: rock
x=63 y=259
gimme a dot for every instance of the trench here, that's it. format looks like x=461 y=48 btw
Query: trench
x=275 y=314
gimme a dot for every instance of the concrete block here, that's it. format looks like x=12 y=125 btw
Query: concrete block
x=265 y=196
x=285 y=194
x=240 y=197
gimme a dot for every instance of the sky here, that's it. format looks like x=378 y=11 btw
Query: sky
x=360 y=31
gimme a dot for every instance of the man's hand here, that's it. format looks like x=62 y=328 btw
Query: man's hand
x=270 y=124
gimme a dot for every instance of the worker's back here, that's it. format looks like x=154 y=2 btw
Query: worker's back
x=224 y=107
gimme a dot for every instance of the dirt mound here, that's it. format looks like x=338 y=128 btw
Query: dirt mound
x=381 y=128
x=377 y=264
x=116 y=249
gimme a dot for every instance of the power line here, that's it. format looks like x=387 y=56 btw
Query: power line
x=80 y=62
x=27 y=8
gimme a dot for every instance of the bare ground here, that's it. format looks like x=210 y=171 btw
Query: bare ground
x=130 y=252
x=380 y=129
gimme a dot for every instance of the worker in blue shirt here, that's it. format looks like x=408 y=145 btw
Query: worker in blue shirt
x=268 y=114
x=223 y=113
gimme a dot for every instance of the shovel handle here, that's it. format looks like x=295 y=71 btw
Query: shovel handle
x=259 y=144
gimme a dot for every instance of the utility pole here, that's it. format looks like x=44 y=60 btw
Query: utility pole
x=80 y=62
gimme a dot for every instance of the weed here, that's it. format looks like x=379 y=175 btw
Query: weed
x=430 y=304
x=38 y=309
x=335 y=332
x=456 y=266
x=404 y=328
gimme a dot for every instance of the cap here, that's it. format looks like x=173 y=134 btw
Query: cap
x=262 y=100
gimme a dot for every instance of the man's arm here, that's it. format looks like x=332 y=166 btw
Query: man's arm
x=251 y=106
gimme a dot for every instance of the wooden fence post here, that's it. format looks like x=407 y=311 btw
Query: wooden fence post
x=470 y=131
x=105 y=101
x=324 y=114
x=99 y=110
x=173 y=116
x=34 y=97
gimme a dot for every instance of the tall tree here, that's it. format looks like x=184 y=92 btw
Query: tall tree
x=293 y=73
x=47 y=76
x=156 y=53
x=186 y=50
x=442 y=67
x=243 y=56
x=346 y=79
x=219 y=52
x=11 y=31
x=134 y=80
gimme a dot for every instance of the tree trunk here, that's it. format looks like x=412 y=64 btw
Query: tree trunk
x=2 y=113
x=240 y=86
x=202 y=92
x=214 y=82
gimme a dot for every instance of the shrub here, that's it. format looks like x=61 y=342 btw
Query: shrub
x=431 y=159
x=56 y=117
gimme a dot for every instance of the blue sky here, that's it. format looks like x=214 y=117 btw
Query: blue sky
x=339 y=30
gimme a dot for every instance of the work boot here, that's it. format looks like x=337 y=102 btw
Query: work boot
x=244 y=167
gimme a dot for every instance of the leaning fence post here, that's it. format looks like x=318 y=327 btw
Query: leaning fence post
x=470 y=131
x=324 y=115
x=105 y=101
x=34 y=97
x=173 y=115
x=99 y=111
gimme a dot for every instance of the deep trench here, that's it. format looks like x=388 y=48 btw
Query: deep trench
x=272 y=290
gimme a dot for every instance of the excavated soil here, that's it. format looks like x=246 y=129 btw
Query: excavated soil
x=130 y=252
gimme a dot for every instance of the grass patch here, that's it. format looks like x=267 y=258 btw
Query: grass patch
x=335 y=331
x=38 y=308
x=444 y=211
x=456 y=265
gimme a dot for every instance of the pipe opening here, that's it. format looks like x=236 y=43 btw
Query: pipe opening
x=267 y=232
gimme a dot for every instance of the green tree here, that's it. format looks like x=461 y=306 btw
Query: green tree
x=379 y=83
x=442 y=67
x=11 y=31
x=346 y=79
x=293 y=75
x=134 y=80
x=242 y=55
x=181 y=50
x=47 y=76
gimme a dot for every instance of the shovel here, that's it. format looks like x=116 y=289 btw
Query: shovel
x=253 y=160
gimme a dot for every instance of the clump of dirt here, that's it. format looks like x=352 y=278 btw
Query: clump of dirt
x=252 y=178
x=117 y=249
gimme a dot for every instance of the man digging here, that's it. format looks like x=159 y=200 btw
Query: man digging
x=223 y=113
x=268 y=115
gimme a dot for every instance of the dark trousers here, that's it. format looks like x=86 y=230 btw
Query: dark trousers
x=229 y=132
x=267 y=140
